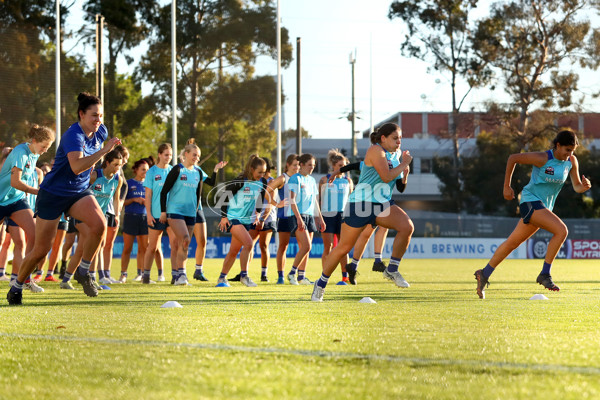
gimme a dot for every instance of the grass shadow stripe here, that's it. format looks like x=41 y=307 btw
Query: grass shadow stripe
x=415 y=361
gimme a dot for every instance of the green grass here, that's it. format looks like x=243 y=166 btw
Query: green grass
x=435 y=340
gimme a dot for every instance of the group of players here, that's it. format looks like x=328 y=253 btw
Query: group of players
x=86 y=185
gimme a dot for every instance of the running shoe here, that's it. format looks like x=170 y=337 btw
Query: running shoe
x=263 y=278
x=63 y=269
x=38 y=278
x=146 y=280
x=182 y=281
x=222 y=282
x=318 y=292
x=199 y=276
x=236 y=278
x=50 y=278
x=96 y=285
x=66 y=285
x=14 y=298
x=123 y=279
x=247 y=281
x=105 y=281
x=113 y=280
x=546 y=281
x=379 y=266
x=4 y=278
x=292 y=279
x=280 y=280
x=138 y=278
x=305 y=281
x=161 y=278
x=33 y=287
x=482 y=283
x=86 y=282
x=395 y=277
x=352 y=272
x=345 y=279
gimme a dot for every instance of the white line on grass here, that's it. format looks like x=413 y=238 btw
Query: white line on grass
x=321 y=354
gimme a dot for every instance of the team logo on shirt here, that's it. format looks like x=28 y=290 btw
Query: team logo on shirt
x=157 y=178
x=98 y=187
x=390 y=166
x=549 y=171
x=246 y=190
x=183 y=178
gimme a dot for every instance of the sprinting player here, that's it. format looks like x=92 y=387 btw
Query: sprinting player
x=113 y=220
x=308 y=219
x=371 y=203
x=154 y=182
x=182 y=188
x=4 y=236
x=550 y=171
x=246 y=194
x=200 y=226
x=135 y=221
x=65 y=189
x=334 y=197
x=18 y=179
x=104 y=183
x=285 y=225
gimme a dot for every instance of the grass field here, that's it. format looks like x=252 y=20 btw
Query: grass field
x=434 y=340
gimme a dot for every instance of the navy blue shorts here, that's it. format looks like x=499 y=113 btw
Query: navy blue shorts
x=526 y=209
x=158 y=226
x=309 y=221
x=111 y=221
x=9 y=209
x=234 y=222
x=71 y=226
x=63 y=225
x=51 y=206
x=9 y=222
x=135 y=224
x=189 y=221
x=286 y=224
x=267 y=226
x=200 y=218
x=333 y=224
x=363 y=213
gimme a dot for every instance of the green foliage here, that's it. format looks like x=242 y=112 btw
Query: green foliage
x=144 y=140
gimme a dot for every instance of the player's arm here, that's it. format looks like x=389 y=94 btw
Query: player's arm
x=537 y=158
x=582 y=184
x=376 y=157
x=15 y=181
x=80 y=164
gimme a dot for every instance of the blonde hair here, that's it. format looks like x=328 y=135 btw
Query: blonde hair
x=334 y=156
x=254 y=162
x=189 y=146
x=41 y=133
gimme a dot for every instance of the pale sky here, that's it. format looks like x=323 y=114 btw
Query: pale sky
x=332 y=29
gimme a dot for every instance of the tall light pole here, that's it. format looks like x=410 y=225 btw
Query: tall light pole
x=354 y=151
x=99 y=63
x=278 y=127
x=57 y=73
x=174 y=78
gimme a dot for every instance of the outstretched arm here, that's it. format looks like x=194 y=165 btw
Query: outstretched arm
x=582 y=184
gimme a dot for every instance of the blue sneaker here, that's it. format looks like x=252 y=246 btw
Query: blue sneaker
x=199 y=276
x=280 y=281
x=222 y=282
x=342 y=283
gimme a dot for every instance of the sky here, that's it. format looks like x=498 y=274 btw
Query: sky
x=330 y=30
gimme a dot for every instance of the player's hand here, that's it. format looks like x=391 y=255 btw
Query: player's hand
x=220 y=165
x=334 y=173
x=112 y=143
x=301 y=224
x=283 y=203
x=224 y=224
x=163 y=218
x=321 y=224
x=586 y=183
x=406 y=157
x=151 y=220
x=509 y=193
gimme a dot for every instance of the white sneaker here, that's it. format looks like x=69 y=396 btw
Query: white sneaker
x=182 y=281
x=396 y=278
x=66 y=285
x=305 y=281
x=113 y=280
x=317 y=294
x=123 y=279
x=138 y=278
x=161 y=278
x=4 y=278
x=246 y=281
x=292 y=279
x=31 y=285
x=105 y=281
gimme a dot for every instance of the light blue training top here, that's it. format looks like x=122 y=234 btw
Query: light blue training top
x=155 y=179
x=370 y=186
x=104 y=189
x=306 y=190
x=546 y=182
x=22 y=158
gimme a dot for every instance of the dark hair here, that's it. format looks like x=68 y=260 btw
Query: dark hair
x=290 y=160
x=163 y=147
x=40 y=133
x=110 y=156
x=86 y=100
x=254 y=162
x=384 y=130
x=306 y=157
x=566 y=138
x=270 y=165
x=123 y=150
x=139 y=162
x=150 y=160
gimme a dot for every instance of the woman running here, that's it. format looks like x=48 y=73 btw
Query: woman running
x=550 y=171
x=371 y=203
x=65 y=189
x=245 y=194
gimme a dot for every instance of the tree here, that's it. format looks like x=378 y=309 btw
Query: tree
x=209 y=32
x=535 y=46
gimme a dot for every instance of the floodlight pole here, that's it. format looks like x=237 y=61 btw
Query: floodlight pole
x=278 y=88
x=57 y=75
x=99 y=63
x=298 y=96
x=353 y=152
x=174 y=80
